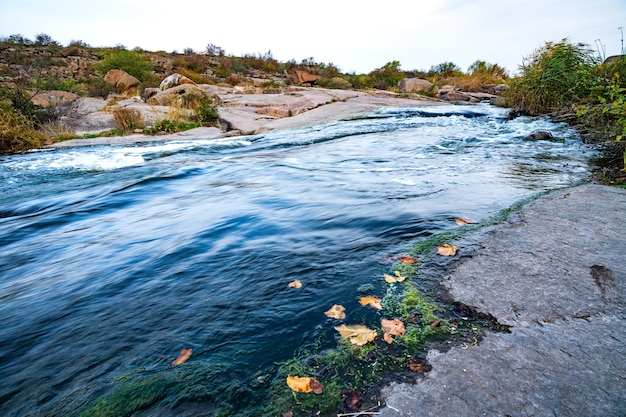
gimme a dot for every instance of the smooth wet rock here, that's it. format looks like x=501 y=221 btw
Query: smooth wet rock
x=540 y=135
x=555 y=273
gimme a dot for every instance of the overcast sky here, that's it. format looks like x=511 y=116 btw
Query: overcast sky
x=356 y=36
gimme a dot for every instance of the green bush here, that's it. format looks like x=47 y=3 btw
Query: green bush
x=555 y=76
x=97 y=87
x=388 y=76
x=206 y=113
x=130 y=61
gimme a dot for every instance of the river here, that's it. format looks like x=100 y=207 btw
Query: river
x=114 y=258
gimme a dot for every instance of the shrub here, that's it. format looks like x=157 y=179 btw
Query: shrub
x=206 y=113
x=388 y=76
x=194 y=76
x=445 y=69
x=130 y=61
x=170 y=126
x=43 y=39
x=17 y=132
x=97 y=87
x=553 y=77
x=128 y=119
x=19 y=98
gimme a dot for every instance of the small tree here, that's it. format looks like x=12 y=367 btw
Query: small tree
x=214 y=50
x=446 y=69
x=18 y=39
x=485 y=68
x=43 y=39
x=388 y=76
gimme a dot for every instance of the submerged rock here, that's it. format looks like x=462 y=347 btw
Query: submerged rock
x=540 y=135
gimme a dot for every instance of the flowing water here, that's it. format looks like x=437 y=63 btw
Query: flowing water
x=113 y=258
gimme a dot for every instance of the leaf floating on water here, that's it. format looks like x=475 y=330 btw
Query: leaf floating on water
x=371 y=301
x=295 y=284
x=304 y=384
x=336 y=312
x=461 y=221
x=398 y=278
x=184 y=355
x=408 y=259
x=447 y=250
x=393 y=327
x=389 y=278
x=357 y=334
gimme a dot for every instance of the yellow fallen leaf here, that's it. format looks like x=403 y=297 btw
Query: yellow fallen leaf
x=371 y=301
x=399 y=276
x=184 y=355
x=447 y=250
x=393 y=327
x=389 y=278
x=357 y=334
x=408 y=259
x=461 y=221
x=295 y=284
x=336 y=312
x=304 y=384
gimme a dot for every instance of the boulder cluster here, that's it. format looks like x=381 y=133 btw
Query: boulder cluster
x=491 y=92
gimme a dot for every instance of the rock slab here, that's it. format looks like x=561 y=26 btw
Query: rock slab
x=555 y=272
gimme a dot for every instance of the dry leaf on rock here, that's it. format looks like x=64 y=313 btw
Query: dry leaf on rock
x=447 y=250
x=304 y=384
x=371 y=301
x=419 y=367
x=351 y=399
x=357 y=334
x=336 y=312
x=295 y=284
x=461 y=221
x=393 y=327
x=184 y=355
x=408 y=259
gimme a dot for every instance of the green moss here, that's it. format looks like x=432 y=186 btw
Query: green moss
x=129 y=397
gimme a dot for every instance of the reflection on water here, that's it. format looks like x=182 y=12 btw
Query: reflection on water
x=113 y=258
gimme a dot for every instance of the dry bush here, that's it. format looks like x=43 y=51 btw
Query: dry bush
x=470 y=83
x=17 y=132
x=194 y=76
x=232 y=80
x=57 y=131
x=128 y=120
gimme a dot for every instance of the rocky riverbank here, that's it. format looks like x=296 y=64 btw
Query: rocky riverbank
x=554 y=272
x=239 y=113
